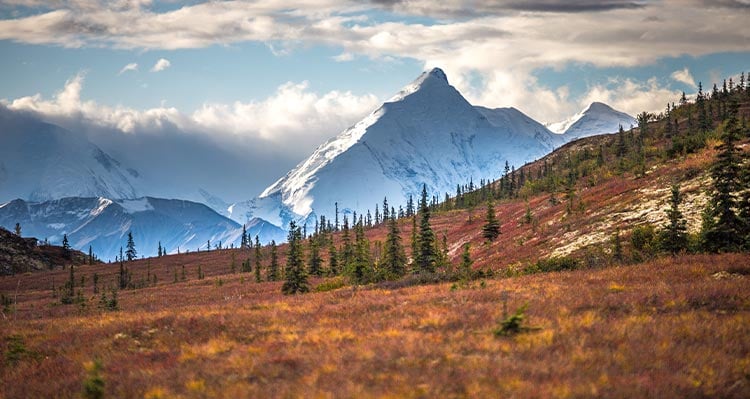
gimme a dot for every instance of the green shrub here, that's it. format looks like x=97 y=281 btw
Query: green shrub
x=513 y=324
x=93 y=385
x=331 y=284
x=554 y=264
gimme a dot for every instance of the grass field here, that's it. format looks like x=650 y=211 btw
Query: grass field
x=675 y=327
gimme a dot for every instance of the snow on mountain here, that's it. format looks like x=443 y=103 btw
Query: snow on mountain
x=41 y=161
x=598 y=118
x=427 y=133
x=104 y=224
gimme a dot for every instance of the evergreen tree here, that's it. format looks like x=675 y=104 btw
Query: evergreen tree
x=425 y=261
x=723 y=228
x=243 y=240
x=466 y=262
x=333 y=260
x=394 y=257
x=385 y=210
x=336 y=227
x=617 y=246
x=622 y=146
x=410 y=206
x=296 y=276
x=66 y=244
x=257 y=260
x=347 y=250
x=158 y=250
x=273 y=268
x=131 y=253
x=674 y=236
x=491 y=228
x=316 y=261
x=700 y=102
x=18 y=229
x=360 y=269
x=414 y=239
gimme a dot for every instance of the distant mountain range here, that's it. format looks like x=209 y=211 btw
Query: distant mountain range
x=104 y=224
x=425 y=134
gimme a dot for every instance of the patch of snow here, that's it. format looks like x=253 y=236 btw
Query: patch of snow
x=136 y=205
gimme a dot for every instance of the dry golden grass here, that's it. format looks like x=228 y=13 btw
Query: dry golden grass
x=670 y=328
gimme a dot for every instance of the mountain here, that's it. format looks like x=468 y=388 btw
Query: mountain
x=103 y=224
x=426 y=134
x=598 y=118
x=40 y=161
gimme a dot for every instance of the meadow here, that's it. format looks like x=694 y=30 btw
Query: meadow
x=673 y=327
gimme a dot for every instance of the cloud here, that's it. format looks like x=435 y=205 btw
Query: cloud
x=252 y=136
x=503 y=42
x=684 y=76
x=161 y=65
x=130 y=67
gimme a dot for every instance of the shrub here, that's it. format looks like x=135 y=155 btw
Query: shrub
x=513 y=324
x=554 y=264
x=93 y=385
x=331 y=284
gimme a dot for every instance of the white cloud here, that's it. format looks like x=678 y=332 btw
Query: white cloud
x=293 y=114
x=684 y=76
x=130 y=67
x=503 y=42
x=161 y=65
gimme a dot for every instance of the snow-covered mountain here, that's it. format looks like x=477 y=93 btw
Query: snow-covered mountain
x=103 y=224
x=427 y=133
x=40 y=161
x=597 y=118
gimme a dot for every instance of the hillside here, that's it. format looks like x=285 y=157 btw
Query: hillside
x=24 y=254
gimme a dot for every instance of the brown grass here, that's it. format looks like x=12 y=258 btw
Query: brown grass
x=670 y=328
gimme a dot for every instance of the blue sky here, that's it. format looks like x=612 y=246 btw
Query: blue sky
x=280 y=77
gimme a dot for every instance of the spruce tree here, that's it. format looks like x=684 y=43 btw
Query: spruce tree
x=257 y=260
x=394 y=256
x=622 y=147
x=723 y=228
x=347 y=248
x=65 y=243
x=425 y=262
x=316 y=262
x=491 y=228
x=617 y=246
x=333 y=260
x=360 y=269
x=700 y=102
x=130 y=253
x=674 y=236
x=296 y=276
x=466 y=262
x=243 y=240
x=18 y=229
x=273 y=268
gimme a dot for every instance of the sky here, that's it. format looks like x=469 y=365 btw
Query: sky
x=258 y=85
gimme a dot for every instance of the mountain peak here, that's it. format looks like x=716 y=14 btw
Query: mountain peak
x=434 y=79
x=597 y=106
